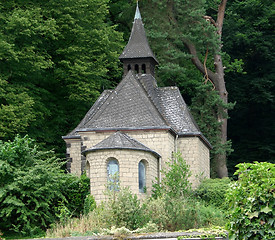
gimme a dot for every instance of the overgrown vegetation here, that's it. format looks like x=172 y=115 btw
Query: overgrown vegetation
x=173 y=207
x=178 y=169
x=34 y=190
x=206 y=233
x=251 y=202
x=213 y=191
x=35 y=193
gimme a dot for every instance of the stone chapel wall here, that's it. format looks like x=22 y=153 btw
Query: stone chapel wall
x=128 y=170
x=73 y=154
x=160 y=141
x=196 y=154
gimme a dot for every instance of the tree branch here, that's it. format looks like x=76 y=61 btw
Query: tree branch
x=196 y=61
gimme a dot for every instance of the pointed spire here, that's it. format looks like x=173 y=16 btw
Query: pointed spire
x=137 y=15
x=137 y=54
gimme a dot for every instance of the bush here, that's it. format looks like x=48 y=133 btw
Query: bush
x=213 y=191
x=175 y=182
x=89 y=204
x=251 y=202
x=33 y=187
x=174 y=214
x=75 y=191
x=126 y=210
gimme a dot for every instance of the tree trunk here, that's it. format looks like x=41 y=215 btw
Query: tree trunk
x=218 y=81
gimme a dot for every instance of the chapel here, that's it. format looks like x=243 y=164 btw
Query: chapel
x=131 y=132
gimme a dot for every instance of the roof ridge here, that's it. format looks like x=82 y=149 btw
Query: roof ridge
x=150 y=97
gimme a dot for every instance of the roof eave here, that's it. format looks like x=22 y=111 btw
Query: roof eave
x=197 y=134
x=122 y=129
x=71 y=137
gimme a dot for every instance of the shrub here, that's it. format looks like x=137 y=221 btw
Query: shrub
x=126 y=210
x=89 y=204
x=175 y=182
x=213 y=191
x=75 y=191
x=251 y=202
x=33 y=188
x=174 y=214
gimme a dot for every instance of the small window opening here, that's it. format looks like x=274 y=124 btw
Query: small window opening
x=143 y=68
x=113 y=174
x=136 y=69
x=141 y=177
x=129 y=67
x=87 y=169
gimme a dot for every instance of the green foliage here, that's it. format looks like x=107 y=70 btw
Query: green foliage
x=55 y=59
x=251 y=202
x=206 y=233
x=89 y=204
x=213 y=191
x=177 y=169
x=34 y=191
x=63 y=213
x=126 y=210
x=172 y=207
x=31 y=183
x=16 y=110
x=206 y=106
x=75 y=191
x=182 y=213
x=249 y=35
x=167 y=29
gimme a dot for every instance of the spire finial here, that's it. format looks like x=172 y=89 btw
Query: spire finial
x=137 y=15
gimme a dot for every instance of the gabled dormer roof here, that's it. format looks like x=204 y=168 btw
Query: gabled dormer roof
x=138 y=46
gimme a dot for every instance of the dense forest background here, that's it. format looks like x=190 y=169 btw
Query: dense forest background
x=56 y=57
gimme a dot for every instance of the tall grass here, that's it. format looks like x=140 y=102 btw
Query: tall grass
x=162 y=214
x=93 y=222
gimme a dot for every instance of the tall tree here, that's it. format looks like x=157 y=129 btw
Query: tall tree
x=217 y=78
x=186 y=25
x=55 y=59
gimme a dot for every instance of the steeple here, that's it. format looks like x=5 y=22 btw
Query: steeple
x=137 y=55
x=137 y=15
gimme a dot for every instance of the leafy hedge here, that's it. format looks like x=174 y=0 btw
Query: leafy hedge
x=32 y=187
x=251 y=201
x=213 y=191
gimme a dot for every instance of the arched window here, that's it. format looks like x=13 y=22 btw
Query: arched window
x=136 y=69
x=129 y=67
x=87 y=169
x=142 y=177
x=113 y=174
x=143 y=68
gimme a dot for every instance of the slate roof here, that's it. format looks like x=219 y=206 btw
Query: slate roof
x=120 y=140
x=138 y=46
x=128 y=106
x=138 y=103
